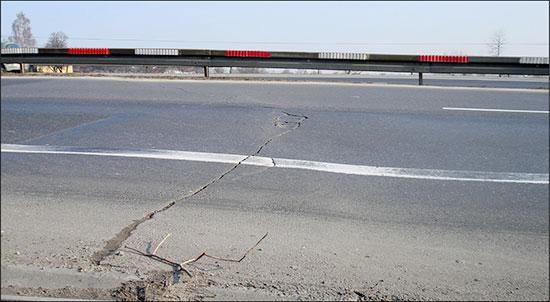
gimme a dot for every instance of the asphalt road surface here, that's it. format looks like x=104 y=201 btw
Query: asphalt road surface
x=365 y=191
x=444 y=80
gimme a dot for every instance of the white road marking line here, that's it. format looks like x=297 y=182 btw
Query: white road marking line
x=495 y=110
x=431 y=174
x=138 y=153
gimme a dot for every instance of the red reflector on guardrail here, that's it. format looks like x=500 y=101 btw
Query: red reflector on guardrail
x=88 y=51
x=247 y=53
x=443 y=59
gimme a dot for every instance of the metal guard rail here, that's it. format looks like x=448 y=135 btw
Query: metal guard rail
x=266 y=59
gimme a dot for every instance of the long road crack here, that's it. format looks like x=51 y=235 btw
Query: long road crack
x=115 y=243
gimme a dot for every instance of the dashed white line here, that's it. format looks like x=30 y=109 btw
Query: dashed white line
x=429 y=174
x=495 y=110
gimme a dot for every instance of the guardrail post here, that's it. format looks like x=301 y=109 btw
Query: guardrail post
x=206 y=72
x=420 y=81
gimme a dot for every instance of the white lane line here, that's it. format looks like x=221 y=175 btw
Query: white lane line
x=138 y=153
x=430 y=174
x=495 y=110
x=434 y=174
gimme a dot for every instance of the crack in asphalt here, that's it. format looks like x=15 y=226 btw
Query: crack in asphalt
x=115 y=243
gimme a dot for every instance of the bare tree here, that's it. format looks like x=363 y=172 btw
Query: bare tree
x=21 y=32
x=497 y=43
x=57 y=40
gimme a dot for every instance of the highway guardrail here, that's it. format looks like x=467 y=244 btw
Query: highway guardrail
x=267 y=59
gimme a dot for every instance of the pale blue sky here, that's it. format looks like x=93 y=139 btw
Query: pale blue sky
x=373 y=27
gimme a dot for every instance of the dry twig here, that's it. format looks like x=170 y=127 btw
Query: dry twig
x=156 y=249
x=173 y=264
x=179 y=266
x=204 y=254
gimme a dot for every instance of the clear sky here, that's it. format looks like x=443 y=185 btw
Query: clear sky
x=372 y=27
